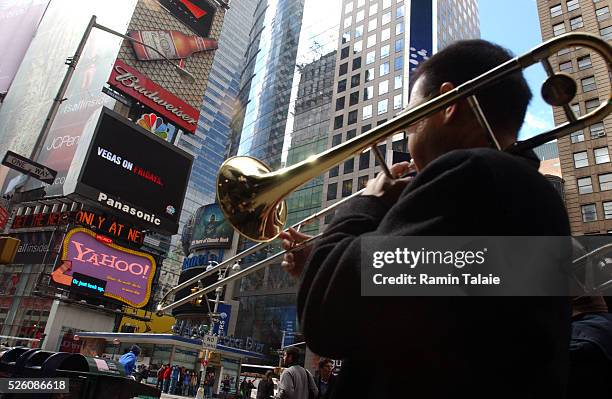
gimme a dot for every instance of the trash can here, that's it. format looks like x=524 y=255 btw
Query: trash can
x=88 y=377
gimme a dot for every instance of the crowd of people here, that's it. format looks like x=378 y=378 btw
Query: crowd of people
x=177 y=380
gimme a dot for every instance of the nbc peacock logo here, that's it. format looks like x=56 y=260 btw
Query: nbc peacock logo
x=154 y=124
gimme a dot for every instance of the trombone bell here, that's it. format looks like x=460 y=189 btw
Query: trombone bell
x=249 y=199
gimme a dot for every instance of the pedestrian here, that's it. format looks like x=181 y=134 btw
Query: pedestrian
x=186 y=381
x=225 y=386
x=442 y=347
x=209 y=383
x=176 y=372
x=193 y=384
x=326 y=379
x=295 y=382
x=265 y=388
x=160 y=377
x=129 y=360
x=243 y=388
x=167 y=378
x=249 y=388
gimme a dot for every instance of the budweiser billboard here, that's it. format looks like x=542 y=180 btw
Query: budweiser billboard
x=171 y=43
x=127 y=274
x=136 y=85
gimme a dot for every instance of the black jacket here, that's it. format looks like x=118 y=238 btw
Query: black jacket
x=331 y=383
x=436 y=347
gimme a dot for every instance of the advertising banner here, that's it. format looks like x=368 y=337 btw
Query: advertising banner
x=210 y=229
x=225 y=314
x=198 y=15
x=421 y=32
x=38 y=247
x=127 y=274
x=18 y=23
x=171 y=43
x=37 y=80
x=129 y=81
x=132 y=173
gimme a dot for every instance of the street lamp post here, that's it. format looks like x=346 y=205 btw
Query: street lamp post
x=116 y=344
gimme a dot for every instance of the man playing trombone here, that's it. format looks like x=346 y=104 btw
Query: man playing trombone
x=441 y=347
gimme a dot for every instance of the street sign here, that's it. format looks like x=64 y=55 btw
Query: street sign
x=29 y=167
x=209 y=342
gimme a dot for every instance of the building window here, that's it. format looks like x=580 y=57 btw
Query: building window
x=372 y=24
x=371 y=41
x=386 y=18
x=384 y=51
x=590 y=105
x=573 y=5
x=341 y=85
x=369 y=75
x=364 y=160
x=333 y=172
x=575 y=109
x=606 y=33
x=383 y=151
x=399 y=28
x=373 y=9
x=355 y=80
x=602 y=14
x=398 y=82
x=605 y=182
x=338 y=120
x=332 y=191
x=360 y=15
x=399 y=63
x=367 y=112
x=576 y=23
x=351 y=134
x=385 y=34
x=386 y=4
x=358 y=31
x=581 y=159
x=343 y=69
x=368 y=93
x=597 y=130
x=383 y=87
x=589 y=213
x=555 y=11
x=340 y=103
x=358 y=46
x=558 y=29
x=344 y=53
x=349 y=166
x=397 y=102
x=383 y=106
x=566 y=67
x=352 y=118
x=585 y=185
x=584 y=62
x=607 y=208
x=346 y=37
x=347 y=21
x=384 y=69
x=370 y=57
x=399 y=45
x=577 y=137
x=362 y=181
x=399 y=12
x=588 y=84
x=354 y=98
x=601 y=155
x=366 y=128
x=347 y=188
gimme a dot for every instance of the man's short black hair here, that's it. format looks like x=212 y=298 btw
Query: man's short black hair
x=504 y=103
x=294 y=353
x=325 y=361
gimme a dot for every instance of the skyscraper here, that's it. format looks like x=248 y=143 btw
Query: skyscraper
x=381 y=43
x=585 y=154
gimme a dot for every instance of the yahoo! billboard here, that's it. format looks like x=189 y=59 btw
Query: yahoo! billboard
x=128 y=274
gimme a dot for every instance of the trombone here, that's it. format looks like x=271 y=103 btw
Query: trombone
x=252 y=196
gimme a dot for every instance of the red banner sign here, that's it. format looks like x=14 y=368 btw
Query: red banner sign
x=136 y=85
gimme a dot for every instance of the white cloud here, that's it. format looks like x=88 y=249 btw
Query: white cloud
x=537 y=122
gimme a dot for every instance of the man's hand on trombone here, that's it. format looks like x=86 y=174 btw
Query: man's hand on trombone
x=385 y=187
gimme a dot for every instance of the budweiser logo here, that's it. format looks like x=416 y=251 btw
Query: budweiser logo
x=128 y=80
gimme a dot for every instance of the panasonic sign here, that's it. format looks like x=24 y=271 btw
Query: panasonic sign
x=130 y=210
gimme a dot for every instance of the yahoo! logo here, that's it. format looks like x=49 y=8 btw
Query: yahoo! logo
x=90 y=255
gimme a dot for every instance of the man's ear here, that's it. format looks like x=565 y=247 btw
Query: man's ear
x=449 y=113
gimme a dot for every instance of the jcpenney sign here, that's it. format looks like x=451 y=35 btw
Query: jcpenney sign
x=129 y=81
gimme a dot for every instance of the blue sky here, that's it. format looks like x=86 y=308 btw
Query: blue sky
x=515 y=25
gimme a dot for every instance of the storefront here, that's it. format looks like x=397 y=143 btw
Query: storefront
x=158 y=349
